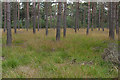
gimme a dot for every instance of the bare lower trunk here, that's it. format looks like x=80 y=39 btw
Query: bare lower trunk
x=76 y=17
x=34 y=18
x=102 y=17
x=117 y=19
x=46 y=17
x=88 y=18
x=111 y=27
x=50 y=15
x=84 y=21
x=59 y=21
x=27 y=15
x=38 y=16
x=95 y=19
x=65 y=8
x=99 y=19
x=4 y=16
x=18 y=16
x=9 y=35
x=92 y=16
x=15 y=17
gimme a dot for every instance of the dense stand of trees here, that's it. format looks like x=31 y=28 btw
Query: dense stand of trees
x=52 y=15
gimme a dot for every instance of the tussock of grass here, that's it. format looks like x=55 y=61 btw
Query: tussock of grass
x=43 y=56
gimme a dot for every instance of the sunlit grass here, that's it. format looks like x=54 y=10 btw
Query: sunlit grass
x=38 y=55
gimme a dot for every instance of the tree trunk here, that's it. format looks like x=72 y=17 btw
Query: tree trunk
x=34 y=17
x=15 y=17
x=9 y=35
x=4 y=16
x=117 y=19
x=108 y=15
x=102 y=16
x=84 y=21
x=92 y=15
x=99 y=19
x=111 y=27
x=27 y=15
x=65 y=9
x=38 y=15
x=50 y=15
x=88 y=18
x=77 y=17
x=58 y=21
x=18 y=15
x=95 y=15
x=46 y=17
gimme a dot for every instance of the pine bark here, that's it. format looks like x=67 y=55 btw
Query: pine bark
x=38 y=16
x=18 y=15
x=15 y=17
x=59 y=21
x=5 y=16
x=65 y=9
x=77 y=17
x=34 y=17
x=92 y=16
x=9 y=35
x=117 y=18
x=27 y=15
x=111 y=26
x=46 y=17
x=95 y=15
x=84 y=18
x=50 y=15
x=99 y=24
x=102 y=17
x=88 y=18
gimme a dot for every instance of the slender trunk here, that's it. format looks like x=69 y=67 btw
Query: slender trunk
x=65 y=8
x=84 y=21
x=34 y=17
x=88 y=18
x=77 y=16
x=95 y=17
x=9 y=35
x=102 y=17
x=38 y=16
x=99 y=19
x=18 y=16
x=55 y=17
x=1 y=13
x=59 y=21
x=26 y=15
x=111 y=27
x=4 y=16
x=54 y=20
x=46 y=17
x=117 y=19
x=108 y=15
x=50 y=15
x=15 y=17
x=92 y=15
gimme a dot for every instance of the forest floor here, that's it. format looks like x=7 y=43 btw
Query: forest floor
x=40 y=56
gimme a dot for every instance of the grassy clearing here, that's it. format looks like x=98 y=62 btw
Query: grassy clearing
x=38 y=56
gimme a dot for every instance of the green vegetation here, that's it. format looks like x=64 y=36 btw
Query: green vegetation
x=39 y=56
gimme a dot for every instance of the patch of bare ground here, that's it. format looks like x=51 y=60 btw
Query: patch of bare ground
x=27 y=71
